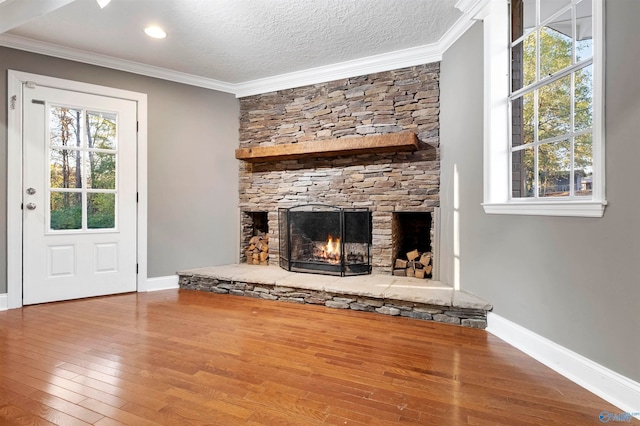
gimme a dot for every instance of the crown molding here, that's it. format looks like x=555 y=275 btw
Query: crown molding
x=91 y=58
x=457 y=29
x=471 y=7
x=371 y=64
x=367 y=65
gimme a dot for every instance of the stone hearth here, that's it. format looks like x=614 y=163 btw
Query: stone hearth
x=408 y=297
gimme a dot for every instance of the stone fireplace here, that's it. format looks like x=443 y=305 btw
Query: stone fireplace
x=394 y=187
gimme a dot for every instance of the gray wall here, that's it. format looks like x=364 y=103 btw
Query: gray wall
x=192 y=172
x=575 y=281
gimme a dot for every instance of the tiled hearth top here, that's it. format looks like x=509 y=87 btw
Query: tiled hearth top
x=375 y=286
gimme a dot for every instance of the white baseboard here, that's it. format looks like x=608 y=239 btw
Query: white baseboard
x=4 y=302
x=614 y=388
x=162 y=283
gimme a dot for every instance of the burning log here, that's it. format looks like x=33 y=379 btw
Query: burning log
x=328 y=251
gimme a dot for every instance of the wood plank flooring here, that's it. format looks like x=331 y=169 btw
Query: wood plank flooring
x=181 y=357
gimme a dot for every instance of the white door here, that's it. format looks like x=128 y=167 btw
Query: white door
x=79 y=195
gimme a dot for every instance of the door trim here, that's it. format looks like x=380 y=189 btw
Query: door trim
x=14 y=173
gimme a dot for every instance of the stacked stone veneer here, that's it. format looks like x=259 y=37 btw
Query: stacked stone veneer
x=467 y=317
x=394 y=101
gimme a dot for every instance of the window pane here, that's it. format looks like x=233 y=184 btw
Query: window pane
x=65 y=170
x=516 y=122
x=528 y=16
x=516 y=67
x=102 y=171
x=584 y=30
x=517 y=176
x=554 y=169
x=529 y=59
x=584 y=49
x=523 y=174
x=64 y=126
x=66 y=210
x=101 y=128
x=583 y=98
x=556 y=46
x=528 y=123
x=101 y=211
x=583 y=158
x=554 y=109
x=550 y=7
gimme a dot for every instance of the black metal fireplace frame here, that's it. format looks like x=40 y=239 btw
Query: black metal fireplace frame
x=344 y=267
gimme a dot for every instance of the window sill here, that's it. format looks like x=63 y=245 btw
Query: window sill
x=548 y=208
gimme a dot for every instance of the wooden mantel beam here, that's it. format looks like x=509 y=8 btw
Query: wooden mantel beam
x=371 y=144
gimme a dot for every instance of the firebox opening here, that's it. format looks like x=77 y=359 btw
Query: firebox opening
x=411 y=244
x=255 y=238
x=325 y=240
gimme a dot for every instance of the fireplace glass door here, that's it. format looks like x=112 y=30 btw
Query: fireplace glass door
x=326 y=240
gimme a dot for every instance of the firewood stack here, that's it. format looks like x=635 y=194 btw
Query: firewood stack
x=415 y=265
x=258 y=251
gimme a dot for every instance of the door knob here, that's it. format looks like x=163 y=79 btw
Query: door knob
x=31 y=191
x=31 y=206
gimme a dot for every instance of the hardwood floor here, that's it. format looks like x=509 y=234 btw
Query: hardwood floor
x=191 y=358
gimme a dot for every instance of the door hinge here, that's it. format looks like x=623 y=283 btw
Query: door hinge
x=14 y=99
x=21 y=206
x=137 y=268
x=137 y=197
x=137 y=126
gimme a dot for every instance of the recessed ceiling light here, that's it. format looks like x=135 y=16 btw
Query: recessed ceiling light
x=155 y=32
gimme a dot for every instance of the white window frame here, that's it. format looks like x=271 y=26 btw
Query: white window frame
x=496 y=159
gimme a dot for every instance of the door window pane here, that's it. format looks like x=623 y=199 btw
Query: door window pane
x=64 y=126
x=102 y=170
x=66 y=210
x=65 y=169
x=101 y=211
x=101 y=130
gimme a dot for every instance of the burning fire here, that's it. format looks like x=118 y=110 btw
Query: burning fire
x=333 y=249
x=330 y=251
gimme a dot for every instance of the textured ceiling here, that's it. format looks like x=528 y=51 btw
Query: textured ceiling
x=236 y=41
